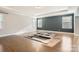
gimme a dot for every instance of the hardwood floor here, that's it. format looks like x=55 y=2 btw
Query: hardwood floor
x=17 y=43
x=69 y=43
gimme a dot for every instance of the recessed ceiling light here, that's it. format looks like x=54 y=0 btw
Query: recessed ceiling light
x=38 y=7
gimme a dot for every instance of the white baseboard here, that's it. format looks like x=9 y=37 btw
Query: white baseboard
x=17 y=33
x=76 y=34
x=7 y=35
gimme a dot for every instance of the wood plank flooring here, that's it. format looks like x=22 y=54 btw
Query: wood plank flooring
x=17 y=43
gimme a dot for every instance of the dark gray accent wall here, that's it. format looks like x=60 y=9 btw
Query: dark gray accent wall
x=54 y=23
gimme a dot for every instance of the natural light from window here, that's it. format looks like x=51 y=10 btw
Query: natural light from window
x=1 y=18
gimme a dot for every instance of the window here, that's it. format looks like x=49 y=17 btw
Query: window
x=67 y=22
x=1 y=18
x=40 y=23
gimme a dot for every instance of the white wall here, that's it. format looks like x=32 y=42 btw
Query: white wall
x=77 y=25
x=14 y=23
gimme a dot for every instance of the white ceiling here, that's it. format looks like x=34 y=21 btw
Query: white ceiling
x=32 y=10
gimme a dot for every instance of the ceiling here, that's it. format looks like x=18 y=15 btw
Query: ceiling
x=32 y=10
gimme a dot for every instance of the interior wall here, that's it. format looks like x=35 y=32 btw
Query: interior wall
x=77 y=25
x=14 y=23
